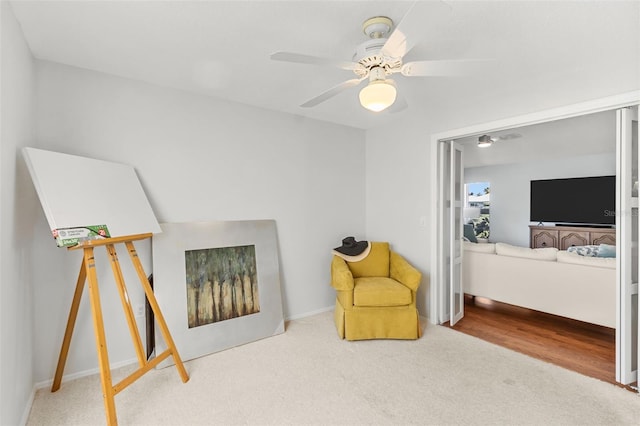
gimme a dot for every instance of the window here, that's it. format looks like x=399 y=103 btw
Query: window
x=477 y=202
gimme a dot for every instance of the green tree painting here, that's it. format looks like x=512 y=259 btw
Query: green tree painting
x=222 y=283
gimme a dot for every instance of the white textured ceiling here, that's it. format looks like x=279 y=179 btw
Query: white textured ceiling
x=222 y=48
x=590 y=134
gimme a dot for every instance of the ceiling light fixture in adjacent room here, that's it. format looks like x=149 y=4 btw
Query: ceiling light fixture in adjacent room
x=380 y=93
x=484 y=141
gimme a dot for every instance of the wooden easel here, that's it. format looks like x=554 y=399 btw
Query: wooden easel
x=88 y=270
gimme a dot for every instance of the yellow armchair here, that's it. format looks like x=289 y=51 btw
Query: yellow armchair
x=376 y=296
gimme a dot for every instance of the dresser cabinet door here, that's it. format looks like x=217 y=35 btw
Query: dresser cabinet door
x=541 y=238
x=573 y=238
x=603 y=238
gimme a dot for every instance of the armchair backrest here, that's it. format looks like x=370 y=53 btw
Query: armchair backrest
x=376 y=264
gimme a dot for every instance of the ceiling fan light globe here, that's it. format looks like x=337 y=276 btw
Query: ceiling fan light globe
x=378 y=95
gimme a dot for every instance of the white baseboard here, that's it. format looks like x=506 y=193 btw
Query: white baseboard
x=85 y=373
x=27 y=408
x=424 y=319
x=310 y=313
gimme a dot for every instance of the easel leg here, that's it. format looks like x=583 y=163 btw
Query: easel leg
x=101 y=341
x=126 y=305
x=73 y=314
x=156 y=311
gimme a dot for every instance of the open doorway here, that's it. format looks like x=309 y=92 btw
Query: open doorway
x=508 y=232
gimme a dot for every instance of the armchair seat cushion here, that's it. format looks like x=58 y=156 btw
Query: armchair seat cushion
x=380 y=291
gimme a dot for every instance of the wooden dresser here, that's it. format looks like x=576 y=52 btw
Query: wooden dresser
x=563 y=237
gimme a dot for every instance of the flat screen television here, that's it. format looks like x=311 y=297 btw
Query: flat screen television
x=579 y=201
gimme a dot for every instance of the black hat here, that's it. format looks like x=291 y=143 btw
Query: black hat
x=352 y=250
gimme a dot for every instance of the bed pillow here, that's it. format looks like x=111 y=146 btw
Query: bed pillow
x=547 y=253
x=606 y=250
x=590 y=251
x=602 y=262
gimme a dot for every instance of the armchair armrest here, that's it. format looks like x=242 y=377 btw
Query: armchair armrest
x=341 y=277
x=402 y=271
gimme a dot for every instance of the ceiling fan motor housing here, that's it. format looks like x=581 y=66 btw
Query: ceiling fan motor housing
x=368 y=49
x=368 y=54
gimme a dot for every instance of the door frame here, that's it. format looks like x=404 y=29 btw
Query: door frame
x=437 y=285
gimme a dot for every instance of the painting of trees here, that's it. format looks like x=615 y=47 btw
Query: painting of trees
x=222 y=283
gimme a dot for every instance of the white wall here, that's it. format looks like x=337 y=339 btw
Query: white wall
x=198 y=159
x=399 y=194
x=510 y=189
x=399 y=156
x=17 y=206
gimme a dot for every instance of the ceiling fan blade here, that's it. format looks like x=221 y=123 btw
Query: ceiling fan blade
x=447 y=68
x=406 y=33
x=332 y=92
x=315 y=60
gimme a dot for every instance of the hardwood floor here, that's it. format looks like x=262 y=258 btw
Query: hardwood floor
x=585 y=348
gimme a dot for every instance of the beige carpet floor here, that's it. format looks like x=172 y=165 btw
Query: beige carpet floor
x=307 y=376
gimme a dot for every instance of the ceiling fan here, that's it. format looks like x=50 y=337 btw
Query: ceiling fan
x=486 y=141
x=377 y=59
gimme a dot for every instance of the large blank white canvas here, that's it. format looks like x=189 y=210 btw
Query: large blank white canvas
x=77 y=191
